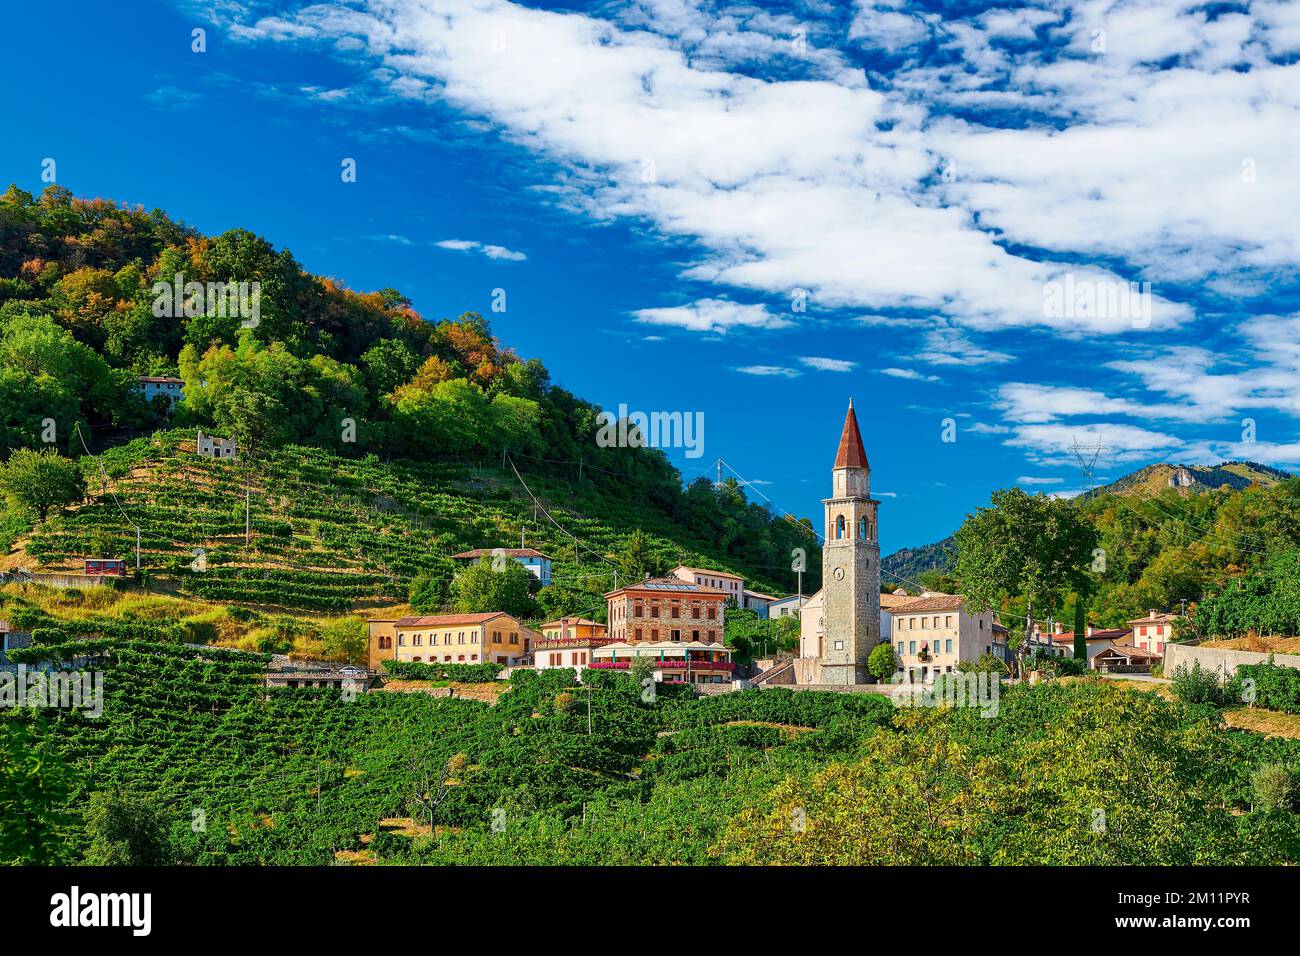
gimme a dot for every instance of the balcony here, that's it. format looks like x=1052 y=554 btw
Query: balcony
x=666 y=665
x=557 y=643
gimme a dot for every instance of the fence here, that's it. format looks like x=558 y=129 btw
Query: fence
x=1221 y=660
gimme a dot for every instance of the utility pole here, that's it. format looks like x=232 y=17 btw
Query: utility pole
x=719 y=484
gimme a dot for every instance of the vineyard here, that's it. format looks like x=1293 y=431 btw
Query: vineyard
x=328 y=533
x=558 y=773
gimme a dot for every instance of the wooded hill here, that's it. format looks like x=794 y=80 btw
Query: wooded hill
x=1162 y=545
x=373 y=443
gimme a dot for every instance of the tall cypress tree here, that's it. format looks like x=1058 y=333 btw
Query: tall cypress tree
x=1080 y=632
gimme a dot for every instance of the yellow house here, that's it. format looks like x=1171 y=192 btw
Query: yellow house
x=494 y=637
x=578 y=628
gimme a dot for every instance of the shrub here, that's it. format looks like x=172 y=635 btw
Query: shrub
x=1271 y=787
x=1274 y=687
x=464 y=673
x=881 y=662
x=1201 y=685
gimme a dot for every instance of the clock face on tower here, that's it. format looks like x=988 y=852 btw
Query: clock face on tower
x=839 y=574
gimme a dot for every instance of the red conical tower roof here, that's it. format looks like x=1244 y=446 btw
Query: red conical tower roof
x=851 y=453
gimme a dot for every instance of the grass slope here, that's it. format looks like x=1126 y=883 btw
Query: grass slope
x=331 y=533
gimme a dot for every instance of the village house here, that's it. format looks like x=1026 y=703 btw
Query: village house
x=1096 y=639
x=787 y=606
x=538 y=564
x=1153 y=632
x=672 y=620
x=933 y=633
x=210 y=446
x=12 y=640
x=757 y=601
x=491 y=638
x=731 y=585
x=169 y=387
x=568 y=642
x=382 y=642
x=1124 y=658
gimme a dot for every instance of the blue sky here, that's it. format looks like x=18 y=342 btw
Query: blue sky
x=653 y=183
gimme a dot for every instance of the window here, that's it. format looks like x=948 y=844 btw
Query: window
x=695 y=635
x=712 y=636
x=947 y=621
x=637 y=610
x=675 y=635
x=947 y=646
x=839 y=645
x=460 y=657
x=713 y=614
x=418 y=640
x=654 y=633
x=862 y=528
x=839 y=526
x=676 y=610
x=654 y=611
x=695 y=613
x=911 y=647
x=925 y=623
x=460 y=636
x=401 y=640
x=416 y=657
x=900 y=647
x=637 y=633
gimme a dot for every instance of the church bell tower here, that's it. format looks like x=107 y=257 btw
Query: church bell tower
x=850 y=565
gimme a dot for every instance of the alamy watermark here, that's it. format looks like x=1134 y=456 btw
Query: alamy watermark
x=62 y=690
x=652 y=430
x=978 y=690
x=178 y=298
x=1073 y=298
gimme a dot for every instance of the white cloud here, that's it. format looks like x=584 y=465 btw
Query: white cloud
x=1047 y=444
x=713 y=315
x=773 y=370
x=827 y=183
x=1032 y=480
x=486 y=249
x=950 y=346
x=827 y=364
x=909 y=374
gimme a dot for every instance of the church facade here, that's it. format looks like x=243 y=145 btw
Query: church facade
x=840 y=624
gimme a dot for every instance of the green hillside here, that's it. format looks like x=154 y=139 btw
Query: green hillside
x=1155 y=479
x=212 y=769
x=333 y=534
x=906 y=564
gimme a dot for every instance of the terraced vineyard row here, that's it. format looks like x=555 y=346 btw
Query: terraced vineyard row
x=326 y=531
